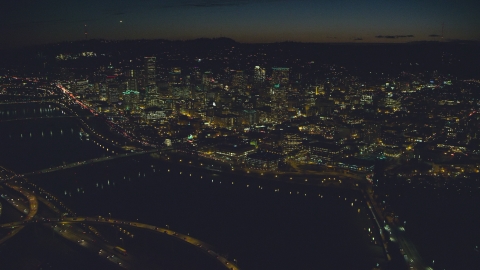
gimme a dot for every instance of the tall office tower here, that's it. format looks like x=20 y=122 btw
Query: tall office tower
x=197 y=75
x=103 y=92
x=131 y=73
x=291 y=141
x=150 y=70
x=258 y=76
x=151 y=92
x=110 y=79
x=250 y=117
x=187 y=79
x=324 y=106
x=207 y=79
x=96 y=89
x=152 y=98
x=279 y=105
x=174 y=77
x=392 y=101
x=80 y=86
x=176 y=70
x=132 y=84
x=319 y=90
x=280 y=76
x=131 y=99
x=113 y=93
x=239 y=81
x=181 y=91
x=110 y=71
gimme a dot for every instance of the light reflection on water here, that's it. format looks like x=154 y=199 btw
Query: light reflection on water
x=194 y=200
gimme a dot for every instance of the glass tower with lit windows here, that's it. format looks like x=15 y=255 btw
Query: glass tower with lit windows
x=280 y=76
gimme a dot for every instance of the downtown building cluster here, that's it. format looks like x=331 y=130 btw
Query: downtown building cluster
x=291 y=116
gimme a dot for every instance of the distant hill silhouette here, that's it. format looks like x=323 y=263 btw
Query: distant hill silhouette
x=456 y=57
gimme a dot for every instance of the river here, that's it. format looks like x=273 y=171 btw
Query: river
x=262 y=225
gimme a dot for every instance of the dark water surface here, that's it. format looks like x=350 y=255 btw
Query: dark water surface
x=263 y=225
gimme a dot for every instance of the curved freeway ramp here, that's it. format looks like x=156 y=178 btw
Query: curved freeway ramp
x=18 y=226
x=186 y=238
x=109 y=221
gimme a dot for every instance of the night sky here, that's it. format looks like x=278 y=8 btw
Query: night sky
x=26 y=22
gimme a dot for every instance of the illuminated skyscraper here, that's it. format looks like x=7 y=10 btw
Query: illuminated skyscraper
x=131 y=99
x=239 y=81
x=132 y=84
x=151 y=93
x=279 y=104
x=174 y=77
x=258 y=75
x=80 y=86
x=131 y=73
x=291 y=141
x=176 y=70
x=181 y=91
x=150 y=70
x=113 y=93
x=207 y=79
x=103 y=92
x=280 y=76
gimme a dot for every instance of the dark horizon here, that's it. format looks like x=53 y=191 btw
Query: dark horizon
x=266 y=21
x=30 y=46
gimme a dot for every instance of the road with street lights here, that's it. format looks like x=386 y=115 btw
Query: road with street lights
x=63 y=227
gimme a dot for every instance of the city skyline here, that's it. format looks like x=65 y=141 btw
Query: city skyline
x=249 y=148
x=30 y=23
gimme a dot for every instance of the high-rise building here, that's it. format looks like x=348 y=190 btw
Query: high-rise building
x=152 y=98
x=132 y=84
x=207 y=79
x=319 y=90
x=103 y=92
x=392 y=101
x=279 y=104
x=176 y=70
x=80 y=86
x=150 y=70
x=174 y=77
x=239 y=81
x=291 y=141
x=131 y=99
x=250 y=117
x=280 y=76
x=131 y=73
x=113 y=93
x=258 y=75
x=181 y=91
x=151 y=91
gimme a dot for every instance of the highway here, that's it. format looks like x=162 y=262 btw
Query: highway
x=88 y=241
x=11 y=234
x=31 y=210
x=32 y=200
x=110 y=221
x=185 y=238
x=397 y=234
x=411 y=255
x=73 y=233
